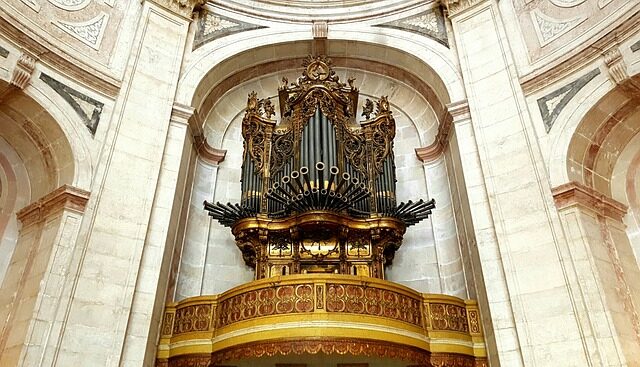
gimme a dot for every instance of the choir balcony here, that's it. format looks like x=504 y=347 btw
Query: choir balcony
x=329 y=317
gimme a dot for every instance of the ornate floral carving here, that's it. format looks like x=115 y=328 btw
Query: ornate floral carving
x=277 y=300
x=71 y=5
x=192 y=318
x=567 y=3
x=319 y=297
x=191 y=360
x=474 y=321
x=89 y=32
x=284 y=347
x=549 y=29
x=450 y=317
x=213 y=23
x=372 y=301
x=167 y=323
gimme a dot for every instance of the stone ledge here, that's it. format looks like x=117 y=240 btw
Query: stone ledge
x=64 y=197
x=574 y=193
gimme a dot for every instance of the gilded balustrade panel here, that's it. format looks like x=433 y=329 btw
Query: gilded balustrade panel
x=275 y=300
x=373 y=301
x=331 y=303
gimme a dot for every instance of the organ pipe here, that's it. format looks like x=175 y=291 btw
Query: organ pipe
x=318 y=160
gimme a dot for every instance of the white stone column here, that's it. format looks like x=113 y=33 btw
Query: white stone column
x=443 y=221
x=194 y=251
x=609 y=279
x=162 y=236
x=110 y=298
x=530 y=291
x=32 y=289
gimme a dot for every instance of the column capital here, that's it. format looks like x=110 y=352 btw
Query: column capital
x=181 y=7
x=64 y=197
x=576 y=194
x=459 y=110
x=455 y=7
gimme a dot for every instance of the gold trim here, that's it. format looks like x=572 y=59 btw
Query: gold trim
x=326 y=306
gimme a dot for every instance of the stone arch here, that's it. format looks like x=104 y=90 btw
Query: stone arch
x=215 y=82
x=40 y=151
x=209 y=65
x=603 y=153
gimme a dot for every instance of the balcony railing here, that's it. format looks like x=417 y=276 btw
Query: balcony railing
x=306 y=313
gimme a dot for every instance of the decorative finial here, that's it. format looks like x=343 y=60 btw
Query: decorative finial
x=269 y=109
x=367 y=109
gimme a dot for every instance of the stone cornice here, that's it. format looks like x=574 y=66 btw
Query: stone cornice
x=563 y=66
x=64 y=197
x=181 y=7
x=455 y=7
x=190 y=117
x=573 y=193
x=208 y=153
x=56 y=58
x=456 y=111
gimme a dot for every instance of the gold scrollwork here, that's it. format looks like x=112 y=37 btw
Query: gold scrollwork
x=373 y=301
x=277 y=300
x=192 y=318
x=450 y=317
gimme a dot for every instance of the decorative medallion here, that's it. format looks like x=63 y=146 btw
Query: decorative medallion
x=567 y=3
x=86 y=107
x=70 y=5
x=549 y=29
x=89 y=32
x=429 y=23
x=4 y=52
x=212 y=26
x=635 y=47
x=552 y=104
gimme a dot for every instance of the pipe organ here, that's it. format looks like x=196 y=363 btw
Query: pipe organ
x=319 y=187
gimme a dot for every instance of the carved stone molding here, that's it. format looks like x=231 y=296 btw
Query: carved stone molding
x=553 y=103
x=189 y=116
x=64 y=197
x=617 y=67
x=455 y=7
x=320 y=29
x=456 y=111
x=23 y=71
x=208 y=153
x=181 y=7
x=574 y=193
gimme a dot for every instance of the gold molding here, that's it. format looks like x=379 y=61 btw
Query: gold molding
x=327 y=346
x=270 y=309
x=574 y=193
x=64 y=197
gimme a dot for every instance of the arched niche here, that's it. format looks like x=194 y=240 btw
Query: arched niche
x=210 y=262
x=604 y=149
